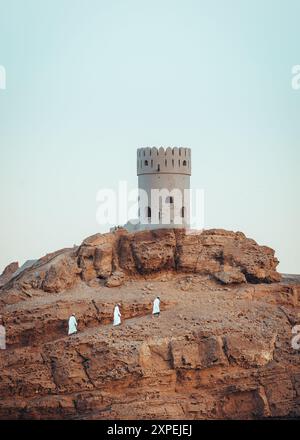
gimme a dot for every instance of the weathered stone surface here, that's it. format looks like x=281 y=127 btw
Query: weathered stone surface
x=148 y=251
x=95 y=256
x=52 y=273
x=62 y=274
x=247 y=351
x=227 y=256
x=216 y=351
x=230 y=275
x=212 y=250
x=198 y=354
x=116 y=279
x=8 y=273
x=212 y=353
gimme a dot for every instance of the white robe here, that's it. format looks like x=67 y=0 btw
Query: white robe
x=72 y=325
x=117 y=316
x=2 y=338
x=156 y=305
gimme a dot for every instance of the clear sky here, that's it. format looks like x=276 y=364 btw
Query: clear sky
x=90 y=81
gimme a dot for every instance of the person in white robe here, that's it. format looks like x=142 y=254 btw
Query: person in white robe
x=117 y=315
x=72 y=325
x=2 y=335
x=156 y=307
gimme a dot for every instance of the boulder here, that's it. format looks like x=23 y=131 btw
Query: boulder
x=116 y=279
x=8 y=273
x=230 y=275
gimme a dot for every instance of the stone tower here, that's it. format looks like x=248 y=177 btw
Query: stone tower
x=168 y=172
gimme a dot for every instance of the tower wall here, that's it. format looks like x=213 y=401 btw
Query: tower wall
x=164 y=169
x=170 y=160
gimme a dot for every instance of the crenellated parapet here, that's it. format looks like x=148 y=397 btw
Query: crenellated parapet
x=164 y=160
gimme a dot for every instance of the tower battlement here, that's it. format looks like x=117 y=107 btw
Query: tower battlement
x=164 y=160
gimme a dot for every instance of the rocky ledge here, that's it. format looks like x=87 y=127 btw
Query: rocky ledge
x=229 y=257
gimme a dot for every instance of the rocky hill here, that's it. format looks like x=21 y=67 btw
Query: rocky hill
x=220 y=349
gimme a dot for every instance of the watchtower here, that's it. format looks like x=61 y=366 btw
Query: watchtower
x=164 y=184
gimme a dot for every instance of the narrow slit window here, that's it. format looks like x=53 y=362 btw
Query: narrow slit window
x=169 y=199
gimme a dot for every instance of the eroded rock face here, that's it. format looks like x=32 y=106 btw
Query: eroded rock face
x=250 y=351
x=8 y=273
x=95 y=256
x=221 y=347
x=52 y=273
x=230 y=275
x=229 y=257
x=214 y=352
x=198 y=354
x=62 y=274
x=116 y=279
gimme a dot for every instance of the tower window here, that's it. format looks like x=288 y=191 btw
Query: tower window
x=169 y=199
x=146 y=163
x=151 y=163
x=158 y=167
x=166 y=162
x=179 y=162
x=182 y=212
x=184 y=163
x=148 y=212
x=173 y=163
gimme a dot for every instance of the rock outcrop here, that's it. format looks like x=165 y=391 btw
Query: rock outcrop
x=229 y=257
x=8 y=273
x=221 y=347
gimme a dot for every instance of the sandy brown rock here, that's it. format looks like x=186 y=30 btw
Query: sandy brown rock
x=52 y=273
x=116 y=279
x=230 y=257
x=198 y=354
x=213 y=353
x=215 y=251
x=95 y=256
x=230 y=275
x=62 y=274
x=249 y=351
x=221 y=347
x=8 y=273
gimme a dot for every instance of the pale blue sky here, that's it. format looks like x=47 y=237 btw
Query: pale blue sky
x=90 y=81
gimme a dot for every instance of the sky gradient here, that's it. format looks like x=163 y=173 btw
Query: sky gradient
x=90 y=81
